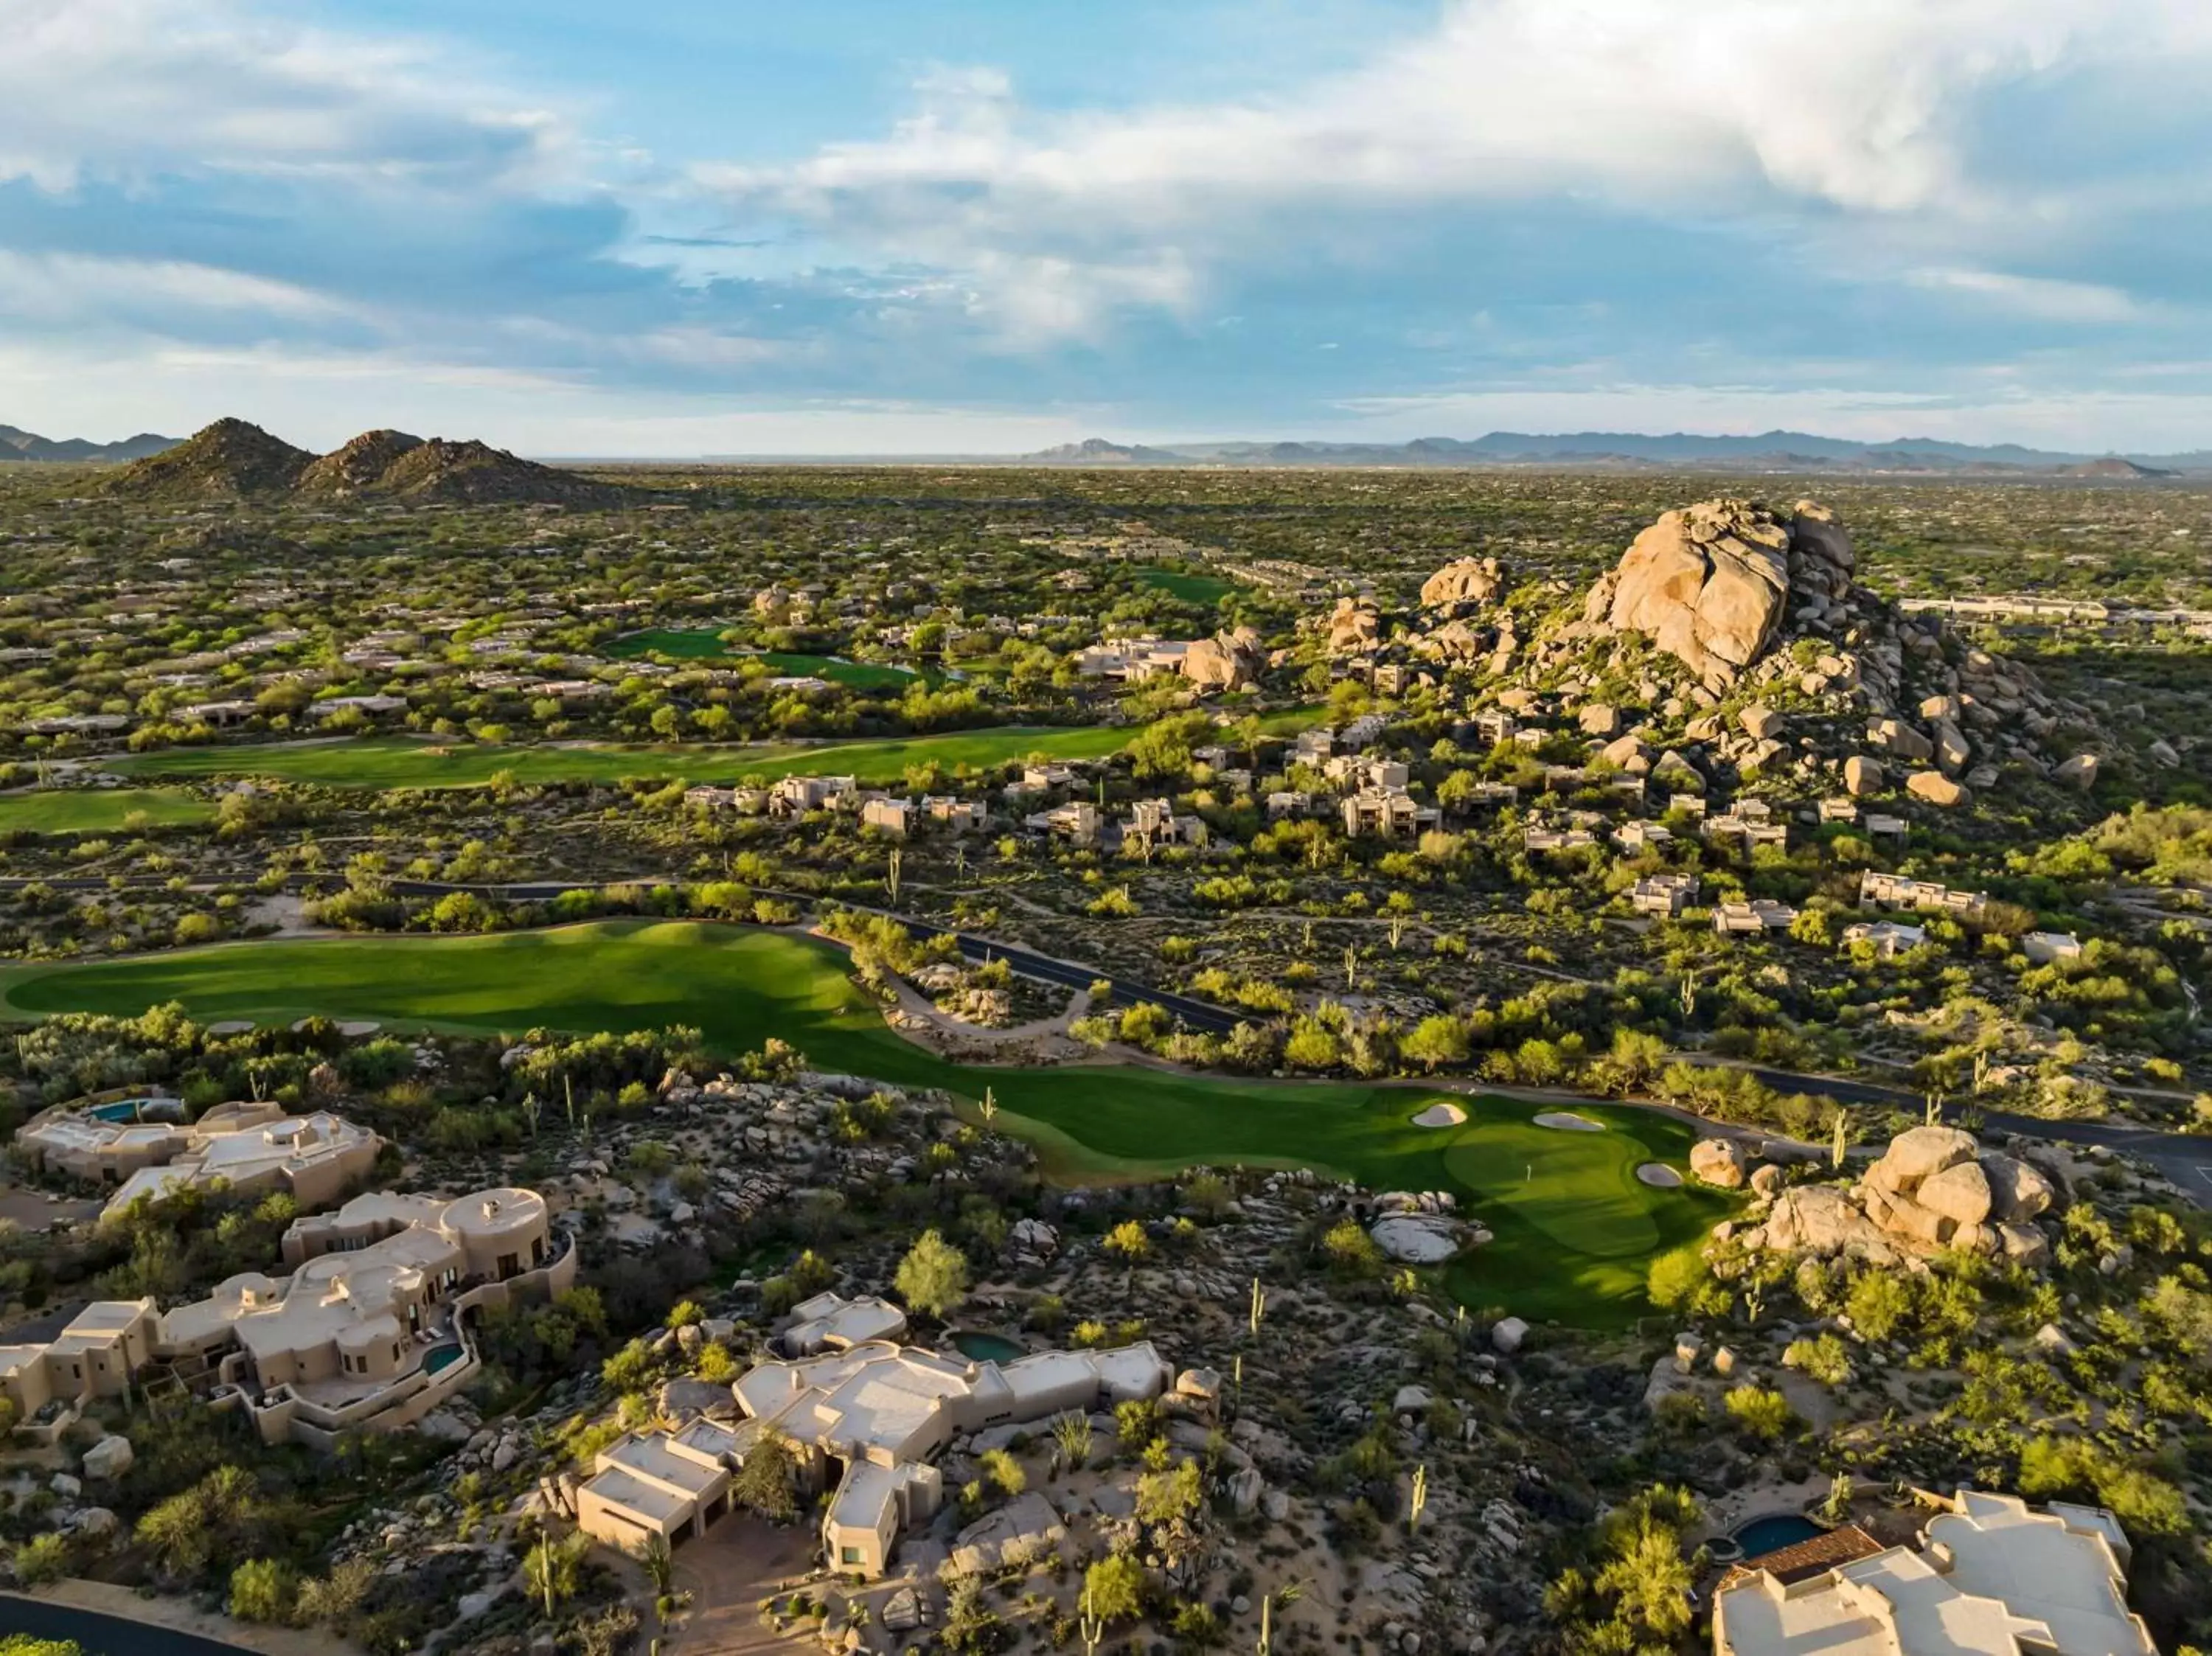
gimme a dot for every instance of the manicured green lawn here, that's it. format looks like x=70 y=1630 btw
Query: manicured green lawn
x=1191 y=589
x=700 y=644
x=98 y=811
x=399 y=762
x=1574 y=1229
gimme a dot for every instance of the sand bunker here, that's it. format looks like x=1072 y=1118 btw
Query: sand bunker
x=1566 y=1121
x=1659 y=1173
x=1440 y=1115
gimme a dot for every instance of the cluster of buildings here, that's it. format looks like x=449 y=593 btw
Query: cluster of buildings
x=141 y=1148
x=1132 y=660
x=865 y=1417
x=367 y=1330
x=1879 y=890
x=1991 y=1576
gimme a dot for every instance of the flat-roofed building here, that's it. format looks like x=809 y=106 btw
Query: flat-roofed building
x=245 y=1147
x=365 y=1332
x=1991 y=1577
x=876 y=1414
x=2044 y=947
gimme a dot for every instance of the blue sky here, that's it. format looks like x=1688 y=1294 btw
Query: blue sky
x=975 y=225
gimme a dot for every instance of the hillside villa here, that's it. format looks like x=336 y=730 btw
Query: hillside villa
x=245 y=1147
x=1990 y=1577
x=367 y=1332
x=879 y=1412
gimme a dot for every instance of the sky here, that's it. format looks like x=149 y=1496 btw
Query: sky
x=724 y=226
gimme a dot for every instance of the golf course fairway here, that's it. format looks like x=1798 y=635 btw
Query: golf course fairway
x=1574 y=1229
x=99 y=810
x=402 y=762
x=698 y=644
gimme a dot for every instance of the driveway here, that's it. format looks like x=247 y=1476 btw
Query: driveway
x=726 y=1573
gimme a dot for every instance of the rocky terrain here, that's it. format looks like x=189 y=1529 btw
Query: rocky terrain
x=234 y=460
x=1733 y=637
x=1934 y=1189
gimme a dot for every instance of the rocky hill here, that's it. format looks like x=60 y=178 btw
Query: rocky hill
x=361 y=465
x=16 y=444
x=227 y=461
x=1732 y=641
x=475 y=474
x=233 y=460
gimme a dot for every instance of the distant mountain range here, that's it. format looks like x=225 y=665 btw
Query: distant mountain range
x=1773 y=451
x=19 y=444
x=233 y=460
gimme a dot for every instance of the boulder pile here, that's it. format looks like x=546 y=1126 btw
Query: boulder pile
x=1935 y=1188
x=1469 y=582
x=1711 y=582
x=1227 y=661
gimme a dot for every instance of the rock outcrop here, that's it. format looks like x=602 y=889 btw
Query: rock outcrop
x=1720 y=1162
x=1463 y=581
x=1227 y=661
x=1711 y=583
x=1934 y=1188
x=1354 y=627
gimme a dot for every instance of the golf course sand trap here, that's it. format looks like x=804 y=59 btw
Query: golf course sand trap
x=1564 y=1121
x=1440 y=1115
x=1659 y=1173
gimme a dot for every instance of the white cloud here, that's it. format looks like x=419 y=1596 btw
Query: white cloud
x=2040 y=297
x=63 y=289
x=1705 y=109
x=128 y=90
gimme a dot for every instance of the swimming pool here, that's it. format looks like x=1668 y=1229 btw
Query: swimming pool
x=1773 y=1532
x=124 y=1109
x=980 y=1347
x=441 y=1356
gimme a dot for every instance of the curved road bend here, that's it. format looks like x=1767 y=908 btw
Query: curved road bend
x=102 y=1635
x=2183 y=1158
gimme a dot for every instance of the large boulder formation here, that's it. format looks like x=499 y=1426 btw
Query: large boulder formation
x=1720 y=1162
x=1355 y=626
x=1933 y=1188
x=1711 y=583
x=1471 y=581
x=1227 y=661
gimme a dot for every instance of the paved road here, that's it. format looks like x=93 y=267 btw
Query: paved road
x=2183 y=1158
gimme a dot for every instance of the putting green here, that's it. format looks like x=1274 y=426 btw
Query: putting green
x=1578 y=1188
x=399 y=762
x=99 y=810
x=1570 y=1244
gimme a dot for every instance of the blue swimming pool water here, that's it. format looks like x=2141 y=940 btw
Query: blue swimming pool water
x=441 y=1356
x=123 y=1110
x=986 y=1348
x=1773 y=1532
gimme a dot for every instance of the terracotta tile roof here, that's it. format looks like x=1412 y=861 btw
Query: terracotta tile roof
x=1806 y=1559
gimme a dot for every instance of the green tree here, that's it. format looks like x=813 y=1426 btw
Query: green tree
x=1437 y=1042
x=1879 y=1301
x=263 y=1590
x=1113 y=1588
x=1164 y=1496
x=1759 y=1412
x=764 y=1481
x=932 y=1278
